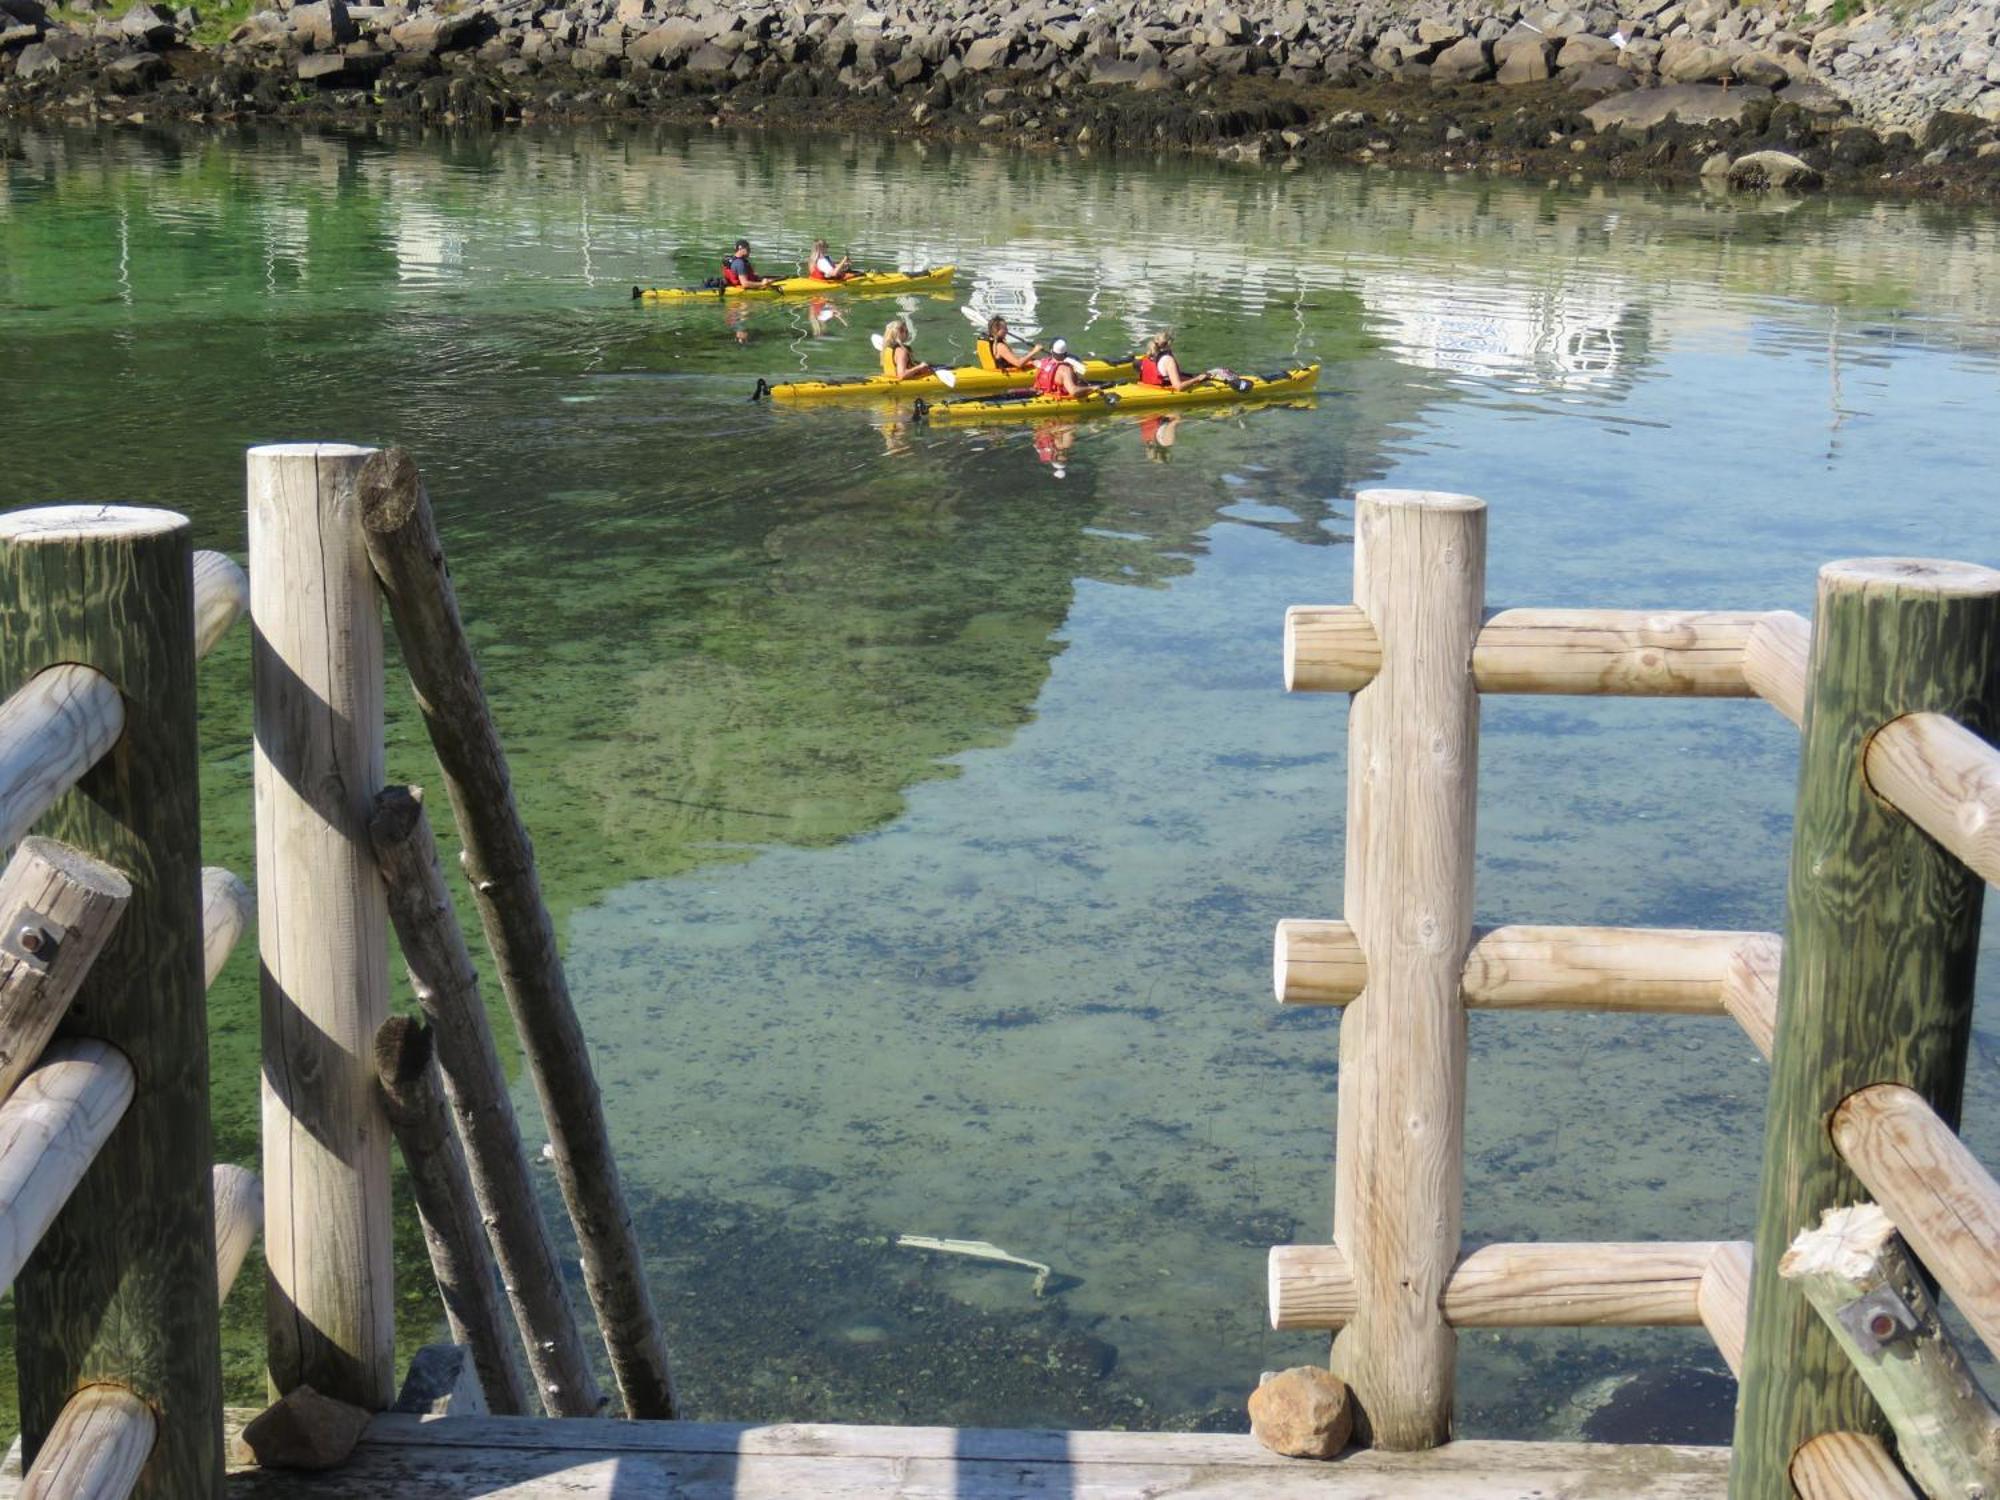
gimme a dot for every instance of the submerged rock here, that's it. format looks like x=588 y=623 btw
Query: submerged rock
x=1773 y=171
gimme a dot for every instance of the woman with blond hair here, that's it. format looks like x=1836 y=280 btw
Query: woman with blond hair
x=825 y=268
x=898 y=362
x=1158 y=366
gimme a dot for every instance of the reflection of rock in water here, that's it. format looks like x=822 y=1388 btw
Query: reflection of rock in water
x=1666 y=1404
x=770 y=1319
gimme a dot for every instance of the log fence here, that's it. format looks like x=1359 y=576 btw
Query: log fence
x=1864 y=1004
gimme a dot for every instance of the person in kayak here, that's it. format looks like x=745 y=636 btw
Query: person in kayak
x=1058 y=373
x=825 y=268
x=737 y=270
x=997 y=354
x=1158 y=366
x=898 y=362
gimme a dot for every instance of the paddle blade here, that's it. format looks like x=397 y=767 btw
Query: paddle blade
x=972 y=316
x=876 y=340
x=948 y=377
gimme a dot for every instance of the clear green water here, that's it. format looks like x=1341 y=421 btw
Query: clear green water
x=917 y=815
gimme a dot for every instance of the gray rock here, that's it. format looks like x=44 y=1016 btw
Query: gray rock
x=135 y=71
x=989 y=52
x=442 y=1383
x=709 y=58
x=1760 y=68
x=1773 y=171
x=146 y=25
x=26 y=12
x=1523 y=64
x=1468 y=60
x=665 y=45
x=324 y=25
x=1816 y=99
x=15 y=34
x=1585 y=52
x=1690 y=103
x=1685 y=63
x=1600 y=79
x=305 y=1431
x=37 y=60
x=1438 y=33
x=1304 y=1412
x=424 y=35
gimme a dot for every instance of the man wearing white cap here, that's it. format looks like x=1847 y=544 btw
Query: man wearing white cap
x=1058 y=373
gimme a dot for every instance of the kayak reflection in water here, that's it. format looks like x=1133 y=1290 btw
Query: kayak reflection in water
x=898 y=362
x=736 y=318
x=1053 y=440
x=1157 y=433
x=1159 y=366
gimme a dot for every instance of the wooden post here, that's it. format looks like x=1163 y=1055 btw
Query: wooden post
x=58 y=908
x=407 y=1070
x=322 y=931
x=1875 y=1302
x=1876 y=985
x=499 y=862
x=122 y=1288
x=447 y=987
x=1413 y=738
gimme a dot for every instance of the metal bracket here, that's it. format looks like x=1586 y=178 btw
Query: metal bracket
x=1879 y=1320
x=32 y=938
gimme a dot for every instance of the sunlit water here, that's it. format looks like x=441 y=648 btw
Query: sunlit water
x=918 y=802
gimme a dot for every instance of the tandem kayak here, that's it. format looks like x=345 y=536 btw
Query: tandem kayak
x=970 y=380
x=1127 y=396
x=865 y=283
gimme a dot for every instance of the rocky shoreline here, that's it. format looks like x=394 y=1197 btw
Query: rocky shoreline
x=1747 y=98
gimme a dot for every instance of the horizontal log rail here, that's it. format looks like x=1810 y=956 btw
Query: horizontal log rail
x=226 y=908
x=50 y=1132
x=1592 y=652
x=63 y=720
x=1630 y=1285
x=1681 y=971
x=1943 y=1202
x=1946 y=780
x=1722 y=1300
x=1774 y=662
x=1847 y=1466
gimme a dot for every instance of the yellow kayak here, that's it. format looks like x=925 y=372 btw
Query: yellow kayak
x=1126 y=396
x=864 y=283
x=972 y=380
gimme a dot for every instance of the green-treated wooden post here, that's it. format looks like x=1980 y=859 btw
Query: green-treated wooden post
x=1881 y=930
x=123 y=1289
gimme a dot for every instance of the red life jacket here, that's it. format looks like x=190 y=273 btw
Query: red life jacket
x=1045 y=376
x=1149 y=371
x=729 y=275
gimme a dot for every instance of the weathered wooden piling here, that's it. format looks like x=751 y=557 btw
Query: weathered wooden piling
x=499 y=862
x=406 y=1068
x=1413 y=735
x=122 y=1287
x=322 y=928
x=447 y=988
x=1876 y=986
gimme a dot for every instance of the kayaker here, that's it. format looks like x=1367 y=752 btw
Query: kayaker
x=1057 y=373
x=898 y=363
x=1158 y=366
x=997 y=354
x=737 y=270
x=825 y=268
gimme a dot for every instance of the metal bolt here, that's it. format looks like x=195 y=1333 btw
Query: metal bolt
x=31 y=939
x=1881 y=1325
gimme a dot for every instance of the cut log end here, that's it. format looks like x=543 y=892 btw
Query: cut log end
x=1420 y=500
x=66 y=523
x=1934 y=577
x=403 y=1049
x=80 y=869
x=398 y=811
x=391 y=490
x=1847 y=1244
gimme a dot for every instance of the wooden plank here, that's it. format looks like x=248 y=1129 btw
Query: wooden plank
x=1847 y=1466
x=122 y=1287
x=322 y=927
x=1774 y=662
x=499 y=862
x=97 y=1448
x=447 y=989
x=50 y=1131
x=221 y=597
x=1539 y=1285
x=56 y=726
x=57 y=909
x=1881 y=937
x=1946 y=780
x=1399 y=1166
x=1943 y=1201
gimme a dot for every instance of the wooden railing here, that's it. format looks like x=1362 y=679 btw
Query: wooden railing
x=109 y=1209
x=1416 y=648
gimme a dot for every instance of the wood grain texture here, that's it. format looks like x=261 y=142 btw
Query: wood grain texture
x=406 y=1068
x=1538 y=1285
x=72 y=901
x=1316 y=963
x=1946 y=780
x=51 y=1130
x=239 y=1213
x=475 y=1084
x=499 y=862
x=97 y=1449
x=1947 y=1432
x=1774 y=662
x=53 y=728
x=1945 y=1203
x=1750 y=988
x=1723 y=1300
x=122 y=1288
x=1399 y=1169
x=1882 y=927
x=1847 y=1466
x=221 y=598
x=322 y=930
x=226 y=909
x=1330 y=648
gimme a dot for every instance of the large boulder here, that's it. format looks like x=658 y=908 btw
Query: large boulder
x=1526 y=64
x=147 y=25
x=1303 y=1412
x=1690 y=103
x=323 y=25
x=665 y=45
x=424 y=35
x=1585 y=52
x=1761 y=69
x=17 y=34
x=1773 y=171
x=305 y=1431
x=1467 y=60
x=1600 y=79
x=135 y=72
x=989 y=52
x=36 y=60
x=1688 y=62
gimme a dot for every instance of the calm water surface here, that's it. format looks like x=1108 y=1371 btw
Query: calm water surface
x=918 y=803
